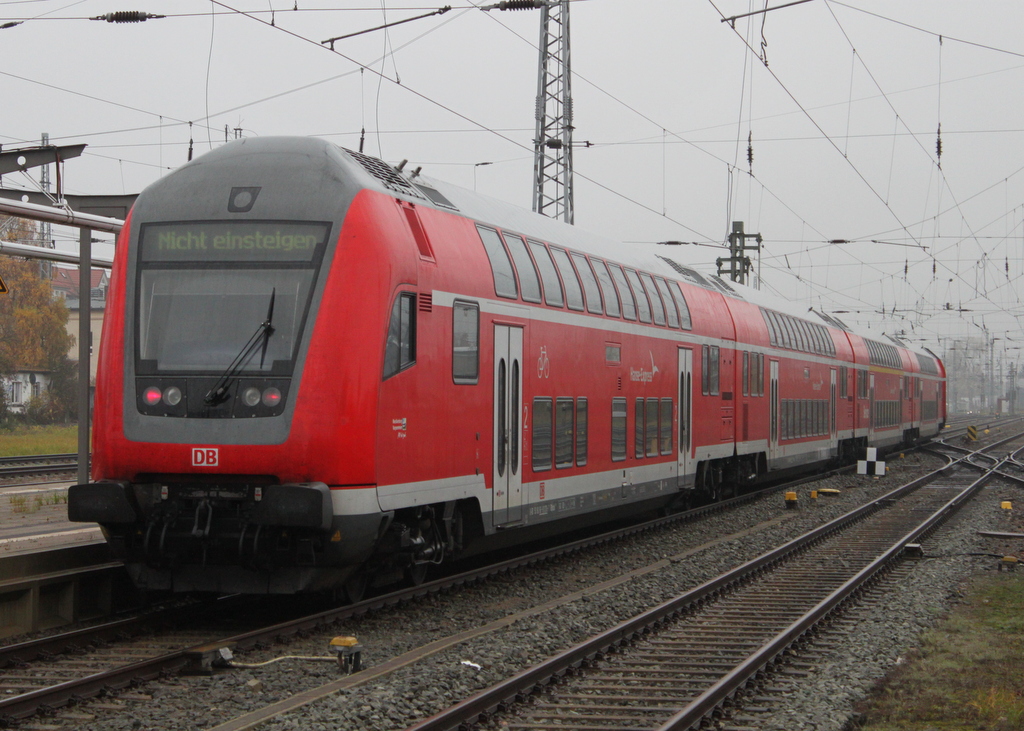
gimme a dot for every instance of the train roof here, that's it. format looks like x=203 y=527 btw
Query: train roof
x=439 y=194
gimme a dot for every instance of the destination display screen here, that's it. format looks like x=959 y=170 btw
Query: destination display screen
x=232 y=241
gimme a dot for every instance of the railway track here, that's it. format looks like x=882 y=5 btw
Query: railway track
x=150 y=654
x=43 y=464
x=681 y=662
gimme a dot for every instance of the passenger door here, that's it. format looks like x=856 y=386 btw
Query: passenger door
x=833 y=436
x=507 y=495
x=685 y=450
x=773 y=413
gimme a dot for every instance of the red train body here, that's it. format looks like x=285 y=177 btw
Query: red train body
x=429 y=373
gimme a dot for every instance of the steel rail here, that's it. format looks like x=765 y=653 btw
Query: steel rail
x=33 y=458
x=713 y=698
x=486 y=702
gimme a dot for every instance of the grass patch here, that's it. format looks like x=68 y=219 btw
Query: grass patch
x=29 y=440
x=966 y=673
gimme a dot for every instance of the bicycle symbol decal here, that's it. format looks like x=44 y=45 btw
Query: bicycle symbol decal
x=543 y=363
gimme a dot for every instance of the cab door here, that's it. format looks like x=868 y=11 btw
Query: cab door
x=507 y=495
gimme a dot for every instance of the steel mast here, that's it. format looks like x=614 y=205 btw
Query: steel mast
x=552 y=159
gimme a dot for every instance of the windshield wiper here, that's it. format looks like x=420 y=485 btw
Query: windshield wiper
x=219 y=392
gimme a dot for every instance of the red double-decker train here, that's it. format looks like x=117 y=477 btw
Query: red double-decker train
x=318 y=369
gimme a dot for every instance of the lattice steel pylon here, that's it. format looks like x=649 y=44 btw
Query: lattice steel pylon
x=552 y=159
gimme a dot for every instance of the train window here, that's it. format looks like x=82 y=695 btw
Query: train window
x=666 y=426
x=792 y=331
x=670 y=308
x=812 y=339
x=684 y=310
x=652 y=427
x=803 y=334
x=713 y=364
x=643 y=307
x=784 y=337
x=502 y=418
x=798 y=335
x=842 y=381
x=548 y=275
x=618 y=429
x=590 y=285
x=400 y=351
x=514 y=420
x=746 y=374
x=465 y=342
x=573 y=291
x=818 y=343
x=541 y=434
x=638 y=429
x=611 y=299
x=529 y=284
x=769 y=321
x=581 y=432
x=760 y=374
x=501 y=265
x=564 y=437
x=628 y=303
x=705 y=369
x=655 y=298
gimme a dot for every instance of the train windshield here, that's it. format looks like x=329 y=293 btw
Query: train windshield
x=205 y=287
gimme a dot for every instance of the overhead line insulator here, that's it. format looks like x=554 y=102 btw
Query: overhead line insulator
x=516 y=5
x=128 y=16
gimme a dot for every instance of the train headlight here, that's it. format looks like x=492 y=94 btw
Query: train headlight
x=152 y=396
x=271 y=397
x=172 y=395
x=251 y=396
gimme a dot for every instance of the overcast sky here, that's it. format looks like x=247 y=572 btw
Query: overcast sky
x=843 y=123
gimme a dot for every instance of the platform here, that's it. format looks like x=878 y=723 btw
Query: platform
x=34 y=518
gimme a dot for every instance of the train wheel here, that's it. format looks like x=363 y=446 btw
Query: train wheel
x=354 y=589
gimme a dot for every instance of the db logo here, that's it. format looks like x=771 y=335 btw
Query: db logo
x=204 y=457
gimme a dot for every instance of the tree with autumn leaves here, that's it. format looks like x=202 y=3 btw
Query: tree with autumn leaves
x=33 y=333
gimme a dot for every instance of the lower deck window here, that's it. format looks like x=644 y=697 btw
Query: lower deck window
x=581 y=432
x=564 y=437
x=541 y=434
x=465 y=342
x=618 y=429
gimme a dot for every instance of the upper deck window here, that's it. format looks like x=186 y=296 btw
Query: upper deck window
x=628 y=303
x=611 y=299
x=573 y=291
x=501 y=265
x=590 y=286
x=641 y=299
x=548 y=275
x=652 y=293
x=528 y=281
x=670 y=308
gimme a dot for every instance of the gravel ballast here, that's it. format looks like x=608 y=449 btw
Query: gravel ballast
x=421 y=689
